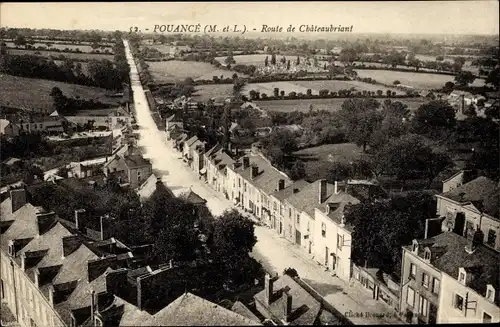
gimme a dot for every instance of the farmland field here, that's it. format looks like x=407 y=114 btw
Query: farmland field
x=416 y=80
x=206 y=92
x=333 y=104
x=33 y=94
x=81 y=47
x=55 y=54
x=175 y=70
x=318 y=160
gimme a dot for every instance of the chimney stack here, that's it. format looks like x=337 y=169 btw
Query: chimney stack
x=105 y=227
x=322 y=191
x=246 y=162
x=337 y=191
x=281 y=184
x=80 y=219
x=268 y=287
x=287 y=306
x=17 y=198
x=92 y=307
x=254 y=172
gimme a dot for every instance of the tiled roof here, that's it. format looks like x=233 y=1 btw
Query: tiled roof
x=132 y=315
x=148 y=187
x=136 y=161
x=191 y=310
x=450 y=255
x=24 y=225
x=482 y=192
x=224 y=159
x=268 y=176
x=214 y=149
x=300 y=298
x=81 y=296
x=288 y=191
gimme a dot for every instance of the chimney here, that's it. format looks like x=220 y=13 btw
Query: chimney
x=70 y=244
x=322 y=191
x=281 y=184
x=80 y=217
x=92 y=307
x=246 y=162
x=36 y=275
x=268 y=287
x=337 y=190
x=17 y=198
x=45 y=221
x=97 y=267
x=235 y=165
x=254 y=172
x=23 y=261
x=51 y=295
x=287 y=306
x=105 y=227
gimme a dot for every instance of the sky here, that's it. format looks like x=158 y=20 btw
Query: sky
x=415 y=17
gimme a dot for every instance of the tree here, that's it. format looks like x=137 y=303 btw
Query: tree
x=382 y=227
x=233 y=234
x=276 y=92
x=348 y=56
x=266 y=61
x=288 y=65
x=439 y=58
x=297 y=171
x=464 y=78
x=434 y=117
x=297 y=62
x=273 y=59
x=20 y=41
x=494 y=78
x=339 y=171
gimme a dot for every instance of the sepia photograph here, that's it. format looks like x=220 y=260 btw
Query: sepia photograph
x=249 y=163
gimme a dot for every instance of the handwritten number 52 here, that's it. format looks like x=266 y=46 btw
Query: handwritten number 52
x=133 y=29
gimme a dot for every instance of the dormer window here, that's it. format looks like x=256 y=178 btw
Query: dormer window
x=462 y=275
x=490 y=292
x=11 y=249
x=427 y=254
x=98 y=322
x=414 y=247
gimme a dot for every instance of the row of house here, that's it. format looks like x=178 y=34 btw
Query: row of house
x=311 y=216
x=55 y=122
x=56 y=272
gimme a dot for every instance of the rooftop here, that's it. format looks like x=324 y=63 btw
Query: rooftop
x=267 y=177
x=136 y=161
x=482 y=192
x=448 y=254
x=192 y=310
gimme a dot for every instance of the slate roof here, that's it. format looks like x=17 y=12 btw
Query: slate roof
x=194 y=198
x=307 y=200
x=136 y=161
x=482 y=192
x=267 y=177
x=288 y=191
x=223 y=160
x=190 y=141
x=192 y=310
x=305 y=308
x=448 y=255
x=242 y=310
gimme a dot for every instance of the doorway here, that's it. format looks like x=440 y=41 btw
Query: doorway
x=297 y=237
x=327 y=254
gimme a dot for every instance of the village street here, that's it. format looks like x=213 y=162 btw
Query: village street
x=274 y=252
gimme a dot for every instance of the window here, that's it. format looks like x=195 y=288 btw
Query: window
x=461 y=277
x=422 y=306
x=308 y=226
x=340 y=241
x=323 y=229
x=486 y=318
x=415 y=247
x=413 y=270
x=2 y=289
x=458 y=302
x=410 y=296
x=489 y=294
x=11 y=249
x=298 y=219
x=492 y=237
x=435 y=285
x=289 y=213
x=427 y=255
x=425 y=280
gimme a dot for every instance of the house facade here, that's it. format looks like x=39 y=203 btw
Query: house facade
x=470 y=206
x=129 y=168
